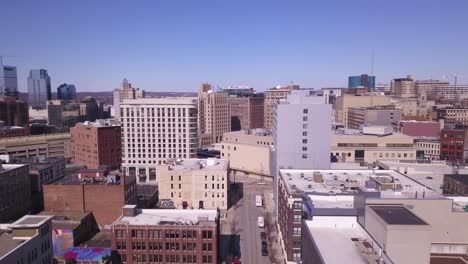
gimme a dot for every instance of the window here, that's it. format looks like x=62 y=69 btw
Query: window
x=305 y=111
x=304 y=141
x=297 y=218
x=304 y=118
x=304 y=133
x=297 y=231
x=304 y=156
x=304 y=148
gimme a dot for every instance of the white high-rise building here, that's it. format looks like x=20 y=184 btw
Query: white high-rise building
x=126 y=91
x=155 y=130
x=301 y=131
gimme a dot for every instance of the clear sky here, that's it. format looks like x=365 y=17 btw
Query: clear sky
x=173 y=45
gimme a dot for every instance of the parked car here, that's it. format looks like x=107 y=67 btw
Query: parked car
x=264 y=252
x=263 y=236
x=264 y=244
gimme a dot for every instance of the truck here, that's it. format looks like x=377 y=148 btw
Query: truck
x=258 y=200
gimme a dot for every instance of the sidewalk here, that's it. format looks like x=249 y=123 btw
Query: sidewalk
x=275 y=250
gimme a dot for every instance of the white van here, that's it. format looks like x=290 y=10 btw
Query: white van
x=261 y=222
x=258 y=201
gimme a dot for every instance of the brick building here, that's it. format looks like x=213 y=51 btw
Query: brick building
x=15 y=192
x=103 y=197
x=246 y=111
x=454 y=144
x=14 y=112
x=166 y=236
x=456 y=184
x=98 y=143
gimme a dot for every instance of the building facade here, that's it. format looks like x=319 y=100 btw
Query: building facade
x=363 y=80
x=39 y=88
x=346 y=101
x=418 y=129
x=126 y=91
x=15 y=192
x=45 y=146
x=155 y=130
x=403 y=87
x=14 y=112
x=272 y=97
x=451 y=92
x=71 y=193
x=430 y=146
x=28 y=240
x=66 y=92
x=195 y=183
x=424 y=88
x=372 y=116
x=454 y=145
x=246 y=112
x=453 y=116
x=97 y=143
x=456 y=184
x=8 y=81
x=214 y=118
x=166 y=236
x=248 y=151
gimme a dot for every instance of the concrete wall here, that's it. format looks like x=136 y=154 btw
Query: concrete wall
x=247 y=158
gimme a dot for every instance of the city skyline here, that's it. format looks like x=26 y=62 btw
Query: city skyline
x=261 y=44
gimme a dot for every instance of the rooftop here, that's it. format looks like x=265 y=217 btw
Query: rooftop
x=397 y=215
x=344 y=233
x=9 y=167
x=72 y=179
x=161 y=101
x=30 y=221
x=336 y=188
x=169 y=217
x=102 y=123
x=66 y=219
x=199 y=164
x=8 y=243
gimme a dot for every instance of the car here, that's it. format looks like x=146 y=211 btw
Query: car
x=264 y=245
x=263 y=236
x=264 y=252
x=236 y=261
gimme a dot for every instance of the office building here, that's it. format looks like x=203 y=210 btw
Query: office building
x=248 y=151
x=155 y=130
x=272 y=97
x=195 y=183
x=15 y=192
x=430 y=146
x=456 y=184
x=97 y=143
x=247 y=112
x=363 y=80
x=371 y=144
x=239 y=91
x=91 y=191
x=399 y=217
x=46 y=146
x=12 y=131
x=14 y=112
x=346 y=101
x=166 y=236
x=89 y=109
x=424 y=88
x=454 y=145
x=39 y=88
x=301 y=132
x=453 y=116
x=8 y=81
x=330 y=94
x=66 y=92
x=28 y=240
x=126 y=91
x=372 y=116
x=214 y=118
x=450 y=92
x=403 y=87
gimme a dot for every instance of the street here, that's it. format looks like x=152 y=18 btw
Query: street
x=240 y=234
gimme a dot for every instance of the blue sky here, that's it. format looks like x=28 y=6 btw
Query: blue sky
x=173 y=45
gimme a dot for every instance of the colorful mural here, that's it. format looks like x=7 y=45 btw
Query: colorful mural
x=62 y=239
x=84 y=254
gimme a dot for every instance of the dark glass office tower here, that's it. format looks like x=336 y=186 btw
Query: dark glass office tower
x=66 y=92
x=39 y=90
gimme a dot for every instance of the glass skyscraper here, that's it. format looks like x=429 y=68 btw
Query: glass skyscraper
x=39 y=90
x=363 y=80
x=8 y=81
x=66 y=92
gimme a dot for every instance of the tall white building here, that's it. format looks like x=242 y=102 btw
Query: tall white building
x=126 y=91
x=301 y=131
x=155 y=130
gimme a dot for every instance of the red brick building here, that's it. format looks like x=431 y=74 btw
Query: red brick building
x=166 y=236
x=247 y=112
x=453 y=144
x=95 y=144
x=14 y=112
x=419 y=128
x=103 y=197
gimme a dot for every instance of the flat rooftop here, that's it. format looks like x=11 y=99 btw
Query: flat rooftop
x=8 y=243
x=30 y=221
x=170 y=217
x=340 y=239
x=65 y=219
x=428 y=174
x=72 y=179
x=397 y=215
x=200 y=164
x=9 y=167
x=332 y=188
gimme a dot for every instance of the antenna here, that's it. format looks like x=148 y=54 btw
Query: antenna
x=372 y=63
x=455 y=79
